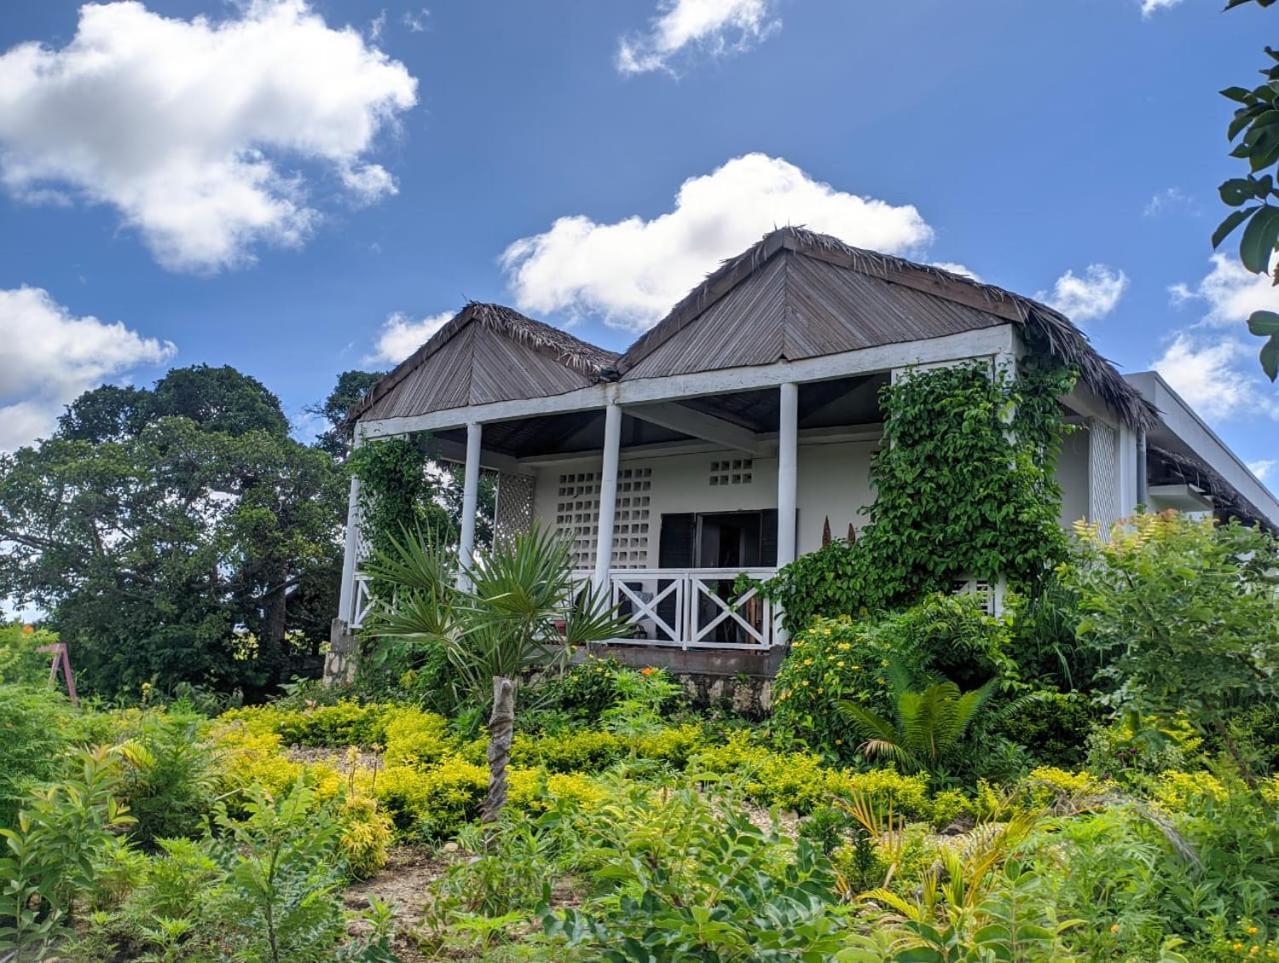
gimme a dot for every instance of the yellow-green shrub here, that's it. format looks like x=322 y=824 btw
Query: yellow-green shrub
x=907 y=795
x=344 y=723
x=414 y=737
x=675 y=745
x=581 y=750
x=365 y=836
x=535 y=790
x=1175 y=791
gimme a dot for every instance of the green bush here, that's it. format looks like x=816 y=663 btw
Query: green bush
x=20 y=663
x=170 y=779
x=37 y=726
x=1052 y=726
x=840 y=659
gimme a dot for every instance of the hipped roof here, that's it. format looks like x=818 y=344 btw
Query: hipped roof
x=794 y=294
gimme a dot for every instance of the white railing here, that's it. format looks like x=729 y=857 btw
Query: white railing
x=363 y=600
x=692 y=608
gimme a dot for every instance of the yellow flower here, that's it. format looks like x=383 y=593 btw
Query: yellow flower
x=840 y=663
x=1251 y=931
x=1114 y=927
x=808 y=662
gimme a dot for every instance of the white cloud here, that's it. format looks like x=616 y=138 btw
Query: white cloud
x=960 y=269
x=1089 y=296
x=51 y=356
x=1212 y=375
x=1150 y=7
x=416 y=22
x=401 y=336
x=1230 y=291
x=1170 y=199
x=193 y=129
x=1262 y=468
x=632 y=272
x=714 y=26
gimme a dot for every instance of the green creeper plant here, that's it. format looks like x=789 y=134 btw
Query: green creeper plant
x=964 y=487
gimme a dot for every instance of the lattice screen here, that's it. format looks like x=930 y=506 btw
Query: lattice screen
x=990 y=593
x=1103 y=474
x=514 y=512
x=577 y=510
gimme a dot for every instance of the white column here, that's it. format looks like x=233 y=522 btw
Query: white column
x=470 y=495
x=608 y=495
x=787 y=459
x=346 y=599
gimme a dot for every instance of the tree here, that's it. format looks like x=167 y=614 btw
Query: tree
x=1256 y=128
x=176 y=534
x=521 y=613
x=350 y=388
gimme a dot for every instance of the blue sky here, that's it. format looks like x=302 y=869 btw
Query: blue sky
x=296 y=189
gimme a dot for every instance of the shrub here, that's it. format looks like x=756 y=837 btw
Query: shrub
x=584 y=689
x=414 y=737
x=575 y=751
x=36 y=728
x=1052 y=726
x=1183 y=613
x=20 y=663
x=170 y=777
x=364 y=836
x=836 y=660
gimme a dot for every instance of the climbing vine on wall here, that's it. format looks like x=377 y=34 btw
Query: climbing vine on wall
x=964 y=486
x=397 y=491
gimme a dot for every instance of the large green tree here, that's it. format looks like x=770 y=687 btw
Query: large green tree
x=176 y=534
x=350 y=388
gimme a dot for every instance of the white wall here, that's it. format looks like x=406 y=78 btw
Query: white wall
x=1072 y=476
x=833 y=480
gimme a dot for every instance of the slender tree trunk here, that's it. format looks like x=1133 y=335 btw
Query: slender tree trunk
x=275 y=623
x=501 y=729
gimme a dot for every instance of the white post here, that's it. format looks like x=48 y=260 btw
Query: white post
x=346 y=600
x=470 y=496
x=787 y=458
x=608 y=495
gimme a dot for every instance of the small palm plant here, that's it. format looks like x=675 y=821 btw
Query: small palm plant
x=522 y=612
x=929 y=724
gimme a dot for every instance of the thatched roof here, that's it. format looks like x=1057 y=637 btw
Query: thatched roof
x=585 y=361
x=1044 y=328
x=1228 y=501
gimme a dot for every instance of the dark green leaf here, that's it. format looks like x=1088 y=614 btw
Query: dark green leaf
x=1264 y=323
x=1237 y=190
x=1270 y=357
x=1233 y=220
x=1259 y=239
x=1238 y=94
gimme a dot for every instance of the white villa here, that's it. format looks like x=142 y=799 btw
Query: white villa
x=739 y=430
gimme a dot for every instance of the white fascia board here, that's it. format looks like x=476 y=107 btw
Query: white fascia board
x=1180 y=419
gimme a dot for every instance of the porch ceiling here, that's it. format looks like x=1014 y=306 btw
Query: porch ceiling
x=823 y=404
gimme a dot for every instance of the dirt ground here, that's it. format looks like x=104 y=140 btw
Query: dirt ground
x=403 y=884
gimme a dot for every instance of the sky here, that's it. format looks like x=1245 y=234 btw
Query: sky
x=299 y=188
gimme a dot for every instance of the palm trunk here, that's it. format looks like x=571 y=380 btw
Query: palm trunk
x=501 y=730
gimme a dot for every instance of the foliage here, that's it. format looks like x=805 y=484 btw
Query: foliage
x=175 y=535
x=1053 y=725
x=842 y=659
x=680 y=878
x=36 y=727
x=350 y=388
x=964 y=488
x=51 y=855
x=398 y=495
x=928 y=726
x=1253 y=125
x=282 y=873
x=169 y=779
x=1184 y=614
x=20 y=662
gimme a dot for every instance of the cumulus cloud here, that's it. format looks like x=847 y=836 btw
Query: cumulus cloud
x=194 y=129
x=51 y=356
x=1216 y=370
x=713 y=26
x=1229 y=291
x=1212 y=375
x=632 y=271
x=1089 y=296
x=401 y=335
x=960 y=269
x=1262 y=468
x=1150 y=7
